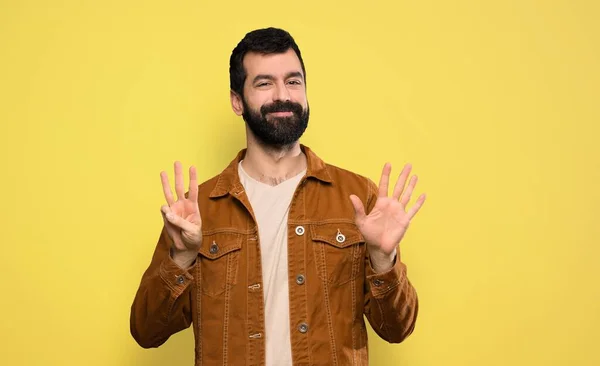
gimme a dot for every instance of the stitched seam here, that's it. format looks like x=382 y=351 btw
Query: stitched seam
x=306 y=241
x=163 y=275
x=175 y=293
x=292 y=298
x=226 y=311
x=353 y=285
x=306 y=312
x=348 y=243
x=385 y=327
x=248 y=330
x=261 y=310
x=228 y=230
x=388 y=289
x=224 y=252
x=291 y=270
x=323 y=221
x=328 y=310
x=199 y=308
x=306 y=251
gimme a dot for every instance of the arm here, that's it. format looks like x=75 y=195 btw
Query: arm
x=391 y=303
x=162 y=304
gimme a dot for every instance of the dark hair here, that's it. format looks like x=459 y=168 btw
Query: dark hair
x=265 y=41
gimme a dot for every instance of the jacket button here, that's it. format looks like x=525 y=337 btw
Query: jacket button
x=300 y=279
x=377 y=282
x=180 y=280
x=299 y=230
x=214 y=248
x=340 y=238
x=303 y=328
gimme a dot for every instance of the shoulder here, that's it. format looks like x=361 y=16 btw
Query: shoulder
x=208 y=185
x=348 y=180
x=347 y=176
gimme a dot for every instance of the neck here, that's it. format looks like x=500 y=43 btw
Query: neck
x=273 y=165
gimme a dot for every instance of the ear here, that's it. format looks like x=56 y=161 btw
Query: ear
x=236 y=103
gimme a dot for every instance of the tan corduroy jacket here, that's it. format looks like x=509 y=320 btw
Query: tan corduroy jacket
x=332 y=283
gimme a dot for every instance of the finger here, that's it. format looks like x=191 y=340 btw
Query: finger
x=179 y=181
x=384 y=181
x=173 y=232
x=416 y=207
x=180 y=223
x=401 y=181
x=359 y=208
x=409 y=190
x=193 y=191
x=165 y=209
x=177 y=243
x=167 y=188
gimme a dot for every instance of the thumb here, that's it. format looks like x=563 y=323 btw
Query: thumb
x=180 y=222
x=359 y=208
x=176 y=220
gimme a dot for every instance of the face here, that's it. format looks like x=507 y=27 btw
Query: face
x=274 y=105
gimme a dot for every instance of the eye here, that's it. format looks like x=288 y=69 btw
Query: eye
x=262 y=84
x=295 y=82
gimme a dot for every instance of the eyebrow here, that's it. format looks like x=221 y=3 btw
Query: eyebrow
x=293 y=74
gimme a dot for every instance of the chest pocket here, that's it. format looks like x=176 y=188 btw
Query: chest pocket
x=339 y=251
x=219 y=261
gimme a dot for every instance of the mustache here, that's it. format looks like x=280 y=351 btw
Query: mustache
x=282 y=107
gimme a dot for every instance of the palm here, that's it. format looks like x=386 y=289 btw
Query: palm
x=384 y=227
x=188 y=210
x=386 y=224
x=182 y=216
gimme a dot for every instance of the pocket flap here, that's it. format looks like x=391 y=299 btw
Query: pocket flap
x=340 y=235
x=216 y=245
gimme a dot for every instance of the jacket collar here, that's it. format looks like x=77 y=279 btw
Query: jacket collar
x=229 y=181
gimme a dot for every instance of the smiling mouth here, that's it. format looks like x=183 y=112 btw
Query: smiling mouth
x=281 y=114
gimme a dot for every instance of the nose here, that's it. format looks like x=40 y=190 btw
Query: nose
x=282 y=93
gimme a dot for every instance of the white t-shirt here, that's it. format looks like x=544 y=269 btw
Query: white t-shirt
x=271 y=206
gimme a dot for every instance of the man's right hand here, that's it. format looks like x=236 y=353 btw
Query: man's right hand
x=182 y=217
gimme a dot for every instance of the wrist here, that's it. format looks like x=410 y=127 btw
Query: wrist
x=183 y=259
x=382 y=262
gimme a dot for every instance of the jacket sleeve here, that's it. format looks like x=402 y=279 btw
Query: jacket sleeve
x=391 y=303
x=162 y=304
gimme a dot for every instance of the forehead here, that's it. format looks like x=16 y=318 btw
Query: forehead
x=275 y=64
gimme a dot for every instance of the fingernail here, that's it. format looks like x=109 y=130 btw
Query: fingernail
x=170 y=216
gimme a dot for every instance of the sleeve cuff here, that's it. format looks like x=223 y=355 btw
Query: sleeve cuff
x=176 y=278
x=382 y=283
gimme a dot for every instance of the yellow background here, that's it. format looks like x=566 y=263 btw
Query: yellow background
x=494 y=102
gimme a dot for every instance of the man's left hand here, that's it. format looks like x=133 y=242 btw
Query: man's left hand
x=384 y=227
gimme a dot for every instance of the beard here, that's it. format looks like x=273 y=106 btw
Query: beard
x=277 y=132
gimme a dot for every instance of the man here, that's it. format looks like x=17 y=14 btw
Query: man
x=275 y=260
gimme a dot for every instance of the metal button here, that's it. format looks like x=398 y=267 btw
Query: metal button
x=300 y=279
x=377 y=282
x=299 y=230
x=214 y=248
x=180 y=280
x=303 y=328
x=340 y=238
